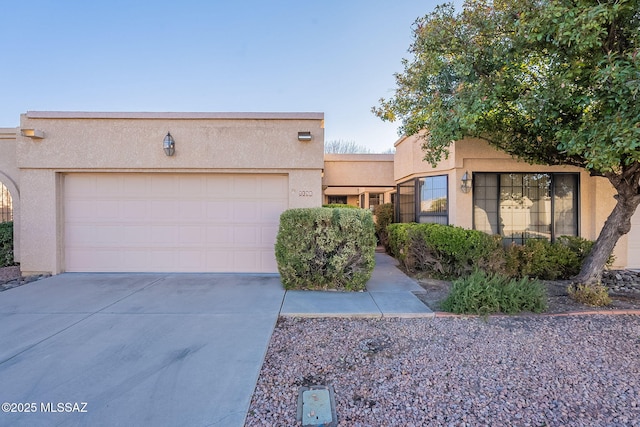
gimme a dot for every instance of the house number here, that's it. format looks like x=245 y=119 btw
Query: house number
x=305 y=193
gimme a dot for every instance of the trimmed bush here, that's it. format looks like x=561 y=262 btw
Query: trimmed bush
x=485 y=293
x=548 y=261
x=326 y=248
x=443 y=250
x=383 y=217
x=6 y=244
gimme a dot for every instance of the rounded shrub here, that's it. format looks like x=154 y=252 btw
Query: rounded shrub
x=326 y=248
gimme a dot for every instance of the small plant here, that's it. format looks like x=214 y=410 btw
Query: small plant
x=484 y=293
x=593 y=295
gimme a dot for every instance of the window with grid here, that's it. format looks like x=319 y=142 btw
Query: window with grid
x=406 y=198
x=521 y=206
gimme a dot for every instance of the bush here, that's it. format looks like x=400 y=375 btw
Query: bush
x=548 y=261
x=594 y=295
x=384 y=216
x=443 y=250
x=485 y=293
x=322 y=248
x=6 y=244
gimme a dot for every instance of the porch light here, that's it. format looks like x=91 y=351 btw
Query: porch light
x=304 y=136
x=169 y=145
x=466 y=182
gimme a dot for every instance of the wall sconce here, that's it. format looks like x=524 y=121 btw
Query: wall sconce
x=169 y=145
x=466 y=182
x=304 y=136
x=32 y=133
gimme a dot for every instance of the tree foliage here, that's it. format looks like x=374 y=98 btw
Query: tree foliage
x=550 y=82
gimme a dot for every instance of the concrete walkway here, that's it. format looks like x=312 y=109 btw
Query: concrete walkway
x=158 y=349
x=389 y=294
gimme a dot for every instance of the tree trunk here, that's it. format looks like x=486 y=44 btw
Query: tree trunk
x=617 y=225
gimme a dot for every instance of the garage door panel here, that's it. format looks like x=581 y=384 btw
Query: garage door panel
x=172 y=222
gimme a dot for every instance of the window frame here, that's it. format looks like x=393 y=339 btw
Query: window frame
x=552 y=195
x=416 y=214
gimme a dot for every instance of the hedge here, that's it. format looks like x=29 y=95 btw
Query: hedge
x=6 y=244
x=326 y=248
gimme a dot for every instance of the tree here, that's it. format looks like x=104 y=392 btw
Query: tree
x=550 y=82
x=340 y=146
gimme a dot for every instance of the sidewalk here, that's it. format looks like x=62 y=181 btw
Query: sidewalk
x=389 y=294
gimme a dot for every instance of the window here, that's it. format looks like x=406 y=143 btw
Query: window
x=423 y=200
x=6 y=205
x=374 y=200
x=337 y=200
x=521 y=206
x=433 y=199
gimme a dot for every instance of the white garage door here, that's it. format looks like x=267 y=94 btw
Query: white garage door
x=633 y=251
x=135 y=222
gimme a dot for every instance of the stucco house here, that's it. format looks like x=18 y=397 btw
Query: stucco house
x=203 y=192
x=98 y=192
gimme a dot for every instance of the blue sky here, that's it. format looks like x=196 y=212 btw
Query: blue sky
x=331 y=56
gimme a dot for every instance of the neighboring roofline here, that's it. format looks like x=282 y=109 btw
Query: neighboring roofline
x=8 y=133
x=331 y=157
x=172 y=115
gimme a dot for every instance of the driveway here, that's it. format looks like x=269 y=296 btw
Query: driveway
x=135 y=349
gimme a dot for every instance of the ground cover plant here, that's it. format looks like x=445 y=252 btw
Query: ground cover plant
x=326 y=248
x=486 y=293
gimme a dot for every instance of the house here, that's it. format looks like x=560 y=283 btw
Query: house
x=203 y=192
x=364 y=180
x=99 y=192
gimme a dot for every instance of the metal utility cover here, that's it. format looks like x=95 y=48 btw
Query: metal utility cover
x=317 y=406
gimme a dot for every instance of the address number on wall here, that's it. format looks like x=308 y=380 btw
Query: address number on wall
x=305 y=193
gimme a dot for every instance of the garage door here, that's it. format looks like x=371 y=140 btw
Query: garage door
x=633 y=239
x=138 y=222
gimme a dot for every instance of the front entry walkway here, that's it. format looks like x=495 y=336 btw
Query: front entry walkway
x=390 y=293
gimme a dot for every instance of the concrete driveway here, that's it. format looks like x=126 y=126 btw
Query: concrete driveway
x=134 y=349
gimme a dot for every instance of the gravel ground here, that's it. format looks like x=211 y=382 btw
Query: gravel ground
x=497 y=371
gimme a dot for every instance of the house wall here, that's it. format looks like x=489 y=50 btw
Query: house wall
x=353 y=175
x=10 y=177
x=132 y=142
x=473 y=155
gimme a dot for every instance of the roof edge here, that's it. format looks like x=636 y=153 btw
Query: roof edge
x=173 y=115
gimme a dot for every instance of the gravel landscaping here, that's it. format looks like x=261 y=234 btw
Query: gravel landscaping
x=497 y=371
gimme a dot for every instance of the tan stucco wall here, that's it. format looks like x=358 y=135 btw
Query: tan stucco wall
x=473 y=155
x=10 y=177
x=355 y=174
x=132 y=142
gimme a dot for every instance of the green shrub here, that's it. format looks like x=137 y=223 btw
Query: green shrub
x=444 y=250
x=548 y=261
x=485 y=293
x=383 y=217
x=594 y=295
x=399 y=240
x=6 y=244
x=323 y=248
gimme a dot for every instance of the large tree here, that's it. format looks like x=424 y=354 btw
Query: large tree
x=550 y=82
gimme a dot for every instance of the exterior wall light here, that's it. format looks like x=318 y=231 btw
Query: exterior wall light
x=466 y=182
x=169 y=145
x=32 y=133
x=304 y=136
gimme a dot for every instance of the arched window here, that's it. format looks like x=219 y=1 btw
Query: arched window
x=6 y=206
